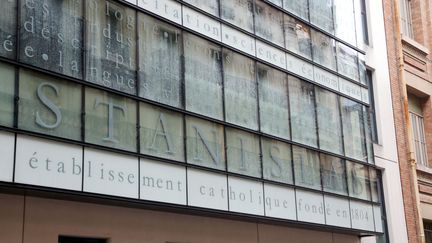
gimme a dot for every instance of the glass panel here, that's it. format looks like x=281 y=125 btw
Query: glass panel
x=302 y=106
x=321 y=14
x=362 y=69
x=205 y=143
x=297 y=37
x=358 y=180
x=269 y=23
x=110 y=120
x=368 y=132
x=203 y=74
x=277 y=161
x=323 y=48
x=352 y=123
x=297 y=7
x=243 y=152
x=374 y=184
x=161 y=132
x=51 y=35
x=111 y=45
x=306 y=168
x=160 y=61
x=241 y=105
x=210 y=6
x=7 y=93
x=347 y=61
x=276 y=2
x=49 y=105
x=329 y=123
x=344 y=20
x=239 y=12
x=8 y=23
x=333 y=174
x=273 y=101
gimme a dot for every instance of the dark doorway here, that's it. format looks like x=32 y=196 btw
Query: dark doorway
x=71 y=239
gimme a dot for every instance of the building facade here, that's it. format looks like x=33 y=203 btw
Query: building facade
x=409 y=41
x=196 y=121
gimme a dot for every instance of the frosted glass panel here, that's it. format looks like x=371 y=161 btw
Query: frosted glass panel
x=239 y=12
x=297 y=7
x=302 y=106
x=329 y=121
x=347 y=61
x=333 y=174
x=273 y=99
x=111 y=45
x=306 y=168
x=241 y=106
x=110 y=120
x=344 y=20
x=352 y=123
x=323 y=48
x=49 y=105
x=297 y=37
x=8 y=22
x=269 y=23
x=7 y=94
x=203 y=74
x=358 y=180
x=321 y=14
x=51 y=35
x=277 y=161
x=210 y=6
x=161 y=132
x=160 y=61
x=243 y=152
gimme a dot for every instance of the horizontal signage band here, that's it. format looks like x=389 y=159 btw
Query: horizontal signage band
x=51 y=164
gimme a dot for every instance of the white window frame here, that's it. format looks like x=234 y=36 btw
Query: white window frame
x=406 y=18
x=419 y=140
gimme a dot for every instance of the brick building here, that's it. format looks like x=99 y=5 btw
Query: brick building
x=411 y=76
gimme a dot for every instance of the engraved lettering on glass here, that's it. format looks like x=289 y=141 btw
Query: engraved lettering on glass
x=50 y=106
x=306 y=168
x=111 y=45
x=8 y=22
x=51 y=35
x=243 y=152
x=277 y=161
x=358 y=180
x=205 y=143
x=160 y=61
x=333 y=174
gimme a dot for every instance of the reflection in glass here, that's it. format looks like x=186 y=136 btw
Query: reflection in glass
x=297 y=37
x=323 y=48
x=205 y=143
x=241 y=105
x=111 y=45
x=344 y=20
x=50 y=106
x=273 y=100
x=329 y=123
x=306 y=168
x=347 y=61
x=352 y=123
x=160 y=61
x=239 y=12
x=210 y=6
x=269 y=23
x=8 y=23
x=51 y=35
x=203 y=76
x=358 y=180
x=110 y=120
x=368 y=132
x=7 y=93
x=297 y=7
x=302 y=107
x=161 y=132
x=333 y=174
x=243 y=153
x=277 y=160
x=374 y=184
x=321 y=14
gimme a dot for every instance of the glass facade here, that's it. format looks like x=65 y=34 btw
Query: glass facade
x=150 y=88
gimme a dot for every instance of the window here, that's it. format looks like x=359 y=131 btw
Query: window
x=323 y=50
x=364 y=25
x=358 y=180
x=297 y=7
x=239 y=12
x=347 y=61
x=333 y=174
x=8 y=22
x=160 y=63
x=269 y=23
x=321 y=14
x=241 y=106
x=419 y=138
x=7 y=84
x=203 y=76
x=344 y=20
x=428 y=231
x=111 y=45
x=297 y=37
x=372 y=115
x=276 y=157
x=306 y=168
x=69 y=239
x=406 y=20
x=51 y=35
